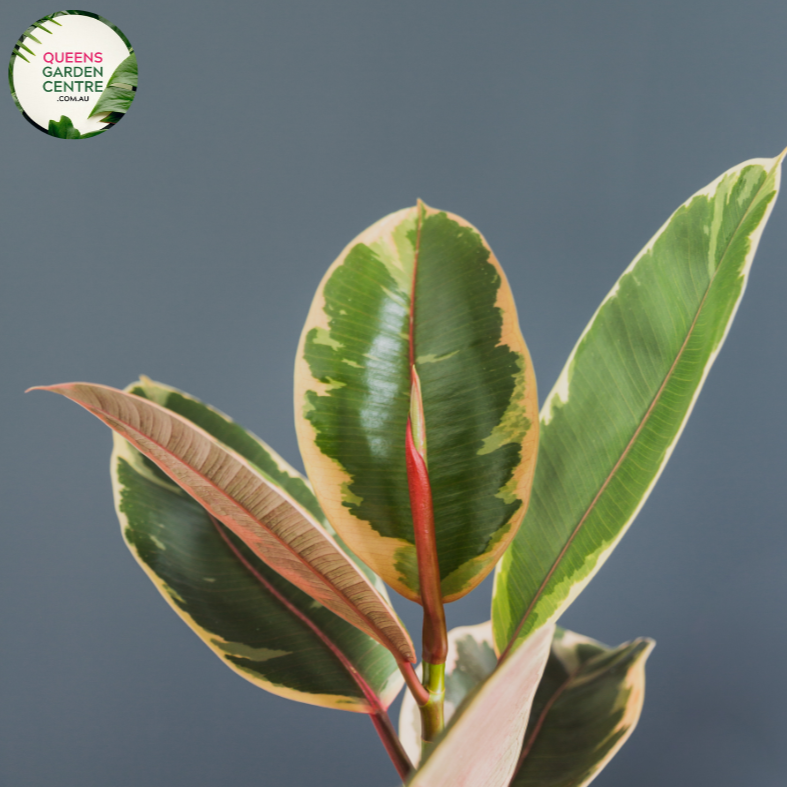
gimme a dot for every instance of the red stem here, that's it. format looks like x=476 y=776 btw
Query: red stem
x=418 y=690
x=382 y=723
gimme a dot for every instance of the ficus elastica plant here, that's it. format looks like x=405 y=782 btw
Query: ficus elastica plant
x=429 y=467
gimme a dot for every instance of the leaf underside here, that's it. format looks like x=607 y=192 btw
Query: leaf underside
x=264 y=516
x=481 y=743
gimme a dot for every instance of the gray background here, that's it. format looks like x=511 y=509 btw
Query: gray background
x=187 y=243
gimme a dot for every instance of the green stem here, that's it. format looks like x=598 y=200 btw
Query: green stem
x=432 y=720
x=420 y=694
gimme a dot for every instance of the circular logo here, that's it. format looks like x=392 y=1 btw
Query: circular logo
x=73 y=74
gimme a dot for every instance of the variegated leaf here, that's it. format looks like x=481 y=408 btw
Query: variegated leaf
x=275 y=527
x=586 y=706
x=612 y=420
x=258 y=623
x=482 y=742
x=352 y=397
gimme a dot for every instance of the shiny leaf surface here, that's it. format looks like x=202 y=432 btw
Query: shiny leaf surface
x=352 y=397
x=120 y=90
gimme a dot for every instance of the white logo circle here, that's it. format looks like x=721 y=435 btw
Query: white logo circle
x=73 y=74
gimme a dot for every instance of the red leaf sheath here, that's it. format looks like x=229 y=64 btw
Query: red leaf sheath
x=435 y=646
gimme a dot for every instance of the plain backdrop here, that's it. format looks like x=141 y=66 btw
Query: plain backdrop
x=187 y=243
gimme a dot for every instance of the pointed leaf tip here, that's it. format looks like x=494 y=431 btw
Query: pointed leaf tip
x=587 y=705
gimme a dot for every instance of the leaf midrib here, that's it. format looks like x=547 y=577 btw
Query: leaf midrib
x=530 y=742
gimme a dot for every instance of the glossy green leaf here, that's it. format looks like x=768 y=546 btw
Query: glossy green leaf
x=127 y=73
x=257 y=623
x=274 y=525
x=352 y=397
x=118 y=94
x=65 y=129
x=587 y=705
x=113 y=99
x=612 y=420
x=481 y=744
x=114 y=117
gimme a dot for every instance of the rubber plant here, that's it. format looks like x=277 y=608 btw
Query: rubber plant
x=416 y=414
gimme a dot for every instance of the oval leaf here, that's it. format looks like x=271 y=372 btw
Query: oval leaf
x=586 y=707
x=259 y=624
x=352 y=397
x=268 y=520
x=482 y=742
x=612 y=420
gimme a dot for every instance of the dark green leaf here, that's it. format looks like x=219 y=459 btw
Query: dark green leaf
x=253 y=506
x=63 y=128
x=587 y=705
